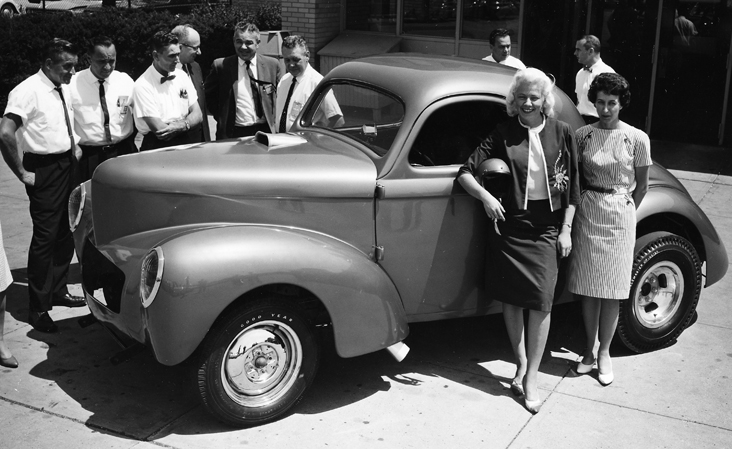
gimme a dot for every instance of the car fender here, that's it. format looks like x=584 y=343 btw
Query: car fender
x=669 y=202
x=206 y=270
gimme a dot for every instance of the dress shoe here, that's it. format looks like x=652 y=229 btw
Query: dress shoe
x=532 y=406
x=584 y=369
x=10 y=362
x=606 y=379
x=42 y=322
x=516 y=388
x=69 y=300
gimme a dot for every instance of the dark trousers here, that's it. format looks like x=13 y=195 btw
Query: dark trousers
x=52 y=245
x=246 y=131
x=151 y=141
x=92 y=156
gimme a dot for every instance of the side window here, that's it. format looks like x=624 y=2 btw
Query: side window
x=369 y=116
x=451 y=133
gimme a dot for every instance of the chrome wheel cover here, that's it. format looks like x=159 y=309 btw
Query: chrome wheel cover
x=658 y=294
x=261 y=364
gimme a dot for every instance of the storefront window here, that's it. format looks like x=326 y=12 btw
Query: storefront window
x=371 y=15
x=430 y=17
x=480 y=17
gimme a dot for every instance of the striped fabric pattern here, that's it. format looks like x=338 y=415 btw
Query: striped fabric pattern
x=603 y=231
x=5 y=277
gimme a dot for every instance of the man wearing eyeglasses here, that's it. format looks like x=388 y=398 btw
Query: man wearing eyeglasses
x=190 y=48
x=165 y=100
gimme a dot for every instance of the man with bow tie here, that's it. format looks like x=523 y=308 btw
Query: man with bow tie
x=102 y=100
x=165 y=100
x=587 y=51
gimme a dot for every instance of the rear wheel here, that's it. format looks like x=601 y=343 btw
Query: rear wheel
x=256 y=364
x=665 y=289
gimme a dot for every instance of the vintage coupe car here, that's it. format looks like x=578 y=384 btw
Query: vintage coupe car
x=231 y=253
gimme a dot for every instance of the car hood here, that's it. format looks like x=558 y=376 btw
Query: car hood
x=306 y=165
x=238 y=182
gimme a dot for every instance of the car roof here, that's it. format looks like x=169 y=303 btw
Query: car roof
x=420 y=79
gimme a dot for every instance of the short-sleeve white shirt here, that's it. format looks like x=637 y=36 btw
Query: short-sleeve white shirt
x=583 y=80
x=509 y=61
x=88 y=113
x=39 y=106
x=169 y=101
x=304 y=87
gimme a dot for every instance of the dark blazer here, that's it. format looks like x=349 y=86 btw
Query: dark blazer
x=220 y=97
x=197 y=78
x=510 y=142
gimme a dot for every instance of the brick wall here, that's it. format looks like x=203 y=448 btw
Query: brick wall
x=318 y=21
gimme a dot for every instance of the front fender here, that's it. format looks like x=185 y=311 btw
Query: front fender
x=206 y=270
x=669 y=202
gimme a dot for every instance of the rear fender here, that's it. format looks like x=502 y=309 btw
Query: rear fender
x=206 y=270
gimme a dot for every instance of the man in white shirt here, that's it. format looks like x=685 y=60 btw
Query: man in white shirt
x=298 y=84
x=240 y=89
x=190 y=48
x=500 y=43
x=102 y=100
x=165 y=101
x=587 y=51
x=38 y=121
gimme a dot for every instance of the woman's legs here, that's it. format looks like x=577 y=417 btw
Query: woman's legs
x=529 y=350
x=514 y=318
x=608 y=321
x=591 y=318
x=536 y=336
x=4 y=351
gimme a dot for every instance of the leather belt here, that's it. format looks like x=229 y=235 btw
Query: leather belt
x=620 y=191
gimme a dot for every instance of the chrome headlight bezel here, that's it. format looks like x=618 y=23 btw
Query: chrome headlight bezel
x=151 y=275
x=77 y=199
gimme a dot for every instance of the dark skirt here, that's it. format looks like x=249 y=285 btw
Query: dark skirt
x=522 y=262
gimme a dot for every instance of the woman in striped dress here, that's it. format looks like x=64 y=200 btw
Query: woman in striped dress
x=614 y=160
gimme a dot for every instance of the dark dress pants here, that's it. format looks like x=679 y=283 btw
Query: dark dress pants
x=151 y=141
x=52 y=245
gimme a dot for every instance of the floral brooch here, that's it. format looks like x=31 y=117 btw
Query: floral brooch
x=560 y=175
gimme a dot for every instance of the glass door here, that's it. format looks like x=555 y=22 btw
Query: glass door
x=692 y=72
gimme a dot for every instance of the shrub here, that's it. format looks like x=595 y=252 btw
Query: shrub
x=25 y=35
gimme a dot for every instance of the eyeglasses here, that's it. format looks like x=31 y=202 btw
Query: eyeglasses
x=192 y=47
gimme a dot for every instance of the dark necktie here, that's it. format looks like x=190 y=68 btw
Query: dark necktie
x=66 y=114
x=103 y=100
x=589 y=69
x=255 y=90
x=283 y=119
x=187 y=68
x=163 y=79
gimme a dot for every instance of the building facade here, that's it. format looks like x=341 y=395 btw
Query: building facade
x=675 y=53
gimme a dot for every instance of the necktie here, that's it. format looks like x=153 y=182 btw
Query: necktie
x=187 y=68
x=255 y=90
x=587 y=68
x=166 y=78
x=66 y=113
x=283 y=119
x=103 y=100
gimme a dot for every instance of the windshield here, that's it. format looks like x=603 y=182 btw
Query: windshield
x=360 y=112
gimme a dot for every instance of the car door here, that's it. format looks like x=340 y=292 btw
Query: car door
x=431 y=231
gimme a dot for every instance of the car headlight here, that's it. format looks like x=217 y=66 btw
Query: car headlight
x=76 y=206
x=151 y=274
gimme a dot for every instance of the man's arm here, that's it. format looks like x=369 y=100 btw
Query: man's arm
x=170 y=130
x=9 y=147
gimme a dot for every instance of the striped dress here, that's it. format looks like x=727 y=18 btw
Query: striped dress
x=603 y=233
x=5 y=277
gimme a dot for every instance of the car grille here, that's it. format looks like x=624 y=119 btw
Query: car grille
x=99 y=273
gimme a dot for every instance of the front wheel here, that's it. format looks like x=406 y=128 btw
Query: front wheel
x=665 y=289
x=7 y=10
x=255 y=364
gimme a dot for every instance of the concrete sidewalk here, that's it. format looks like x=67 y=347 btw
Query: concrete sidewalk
x=451 y=391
